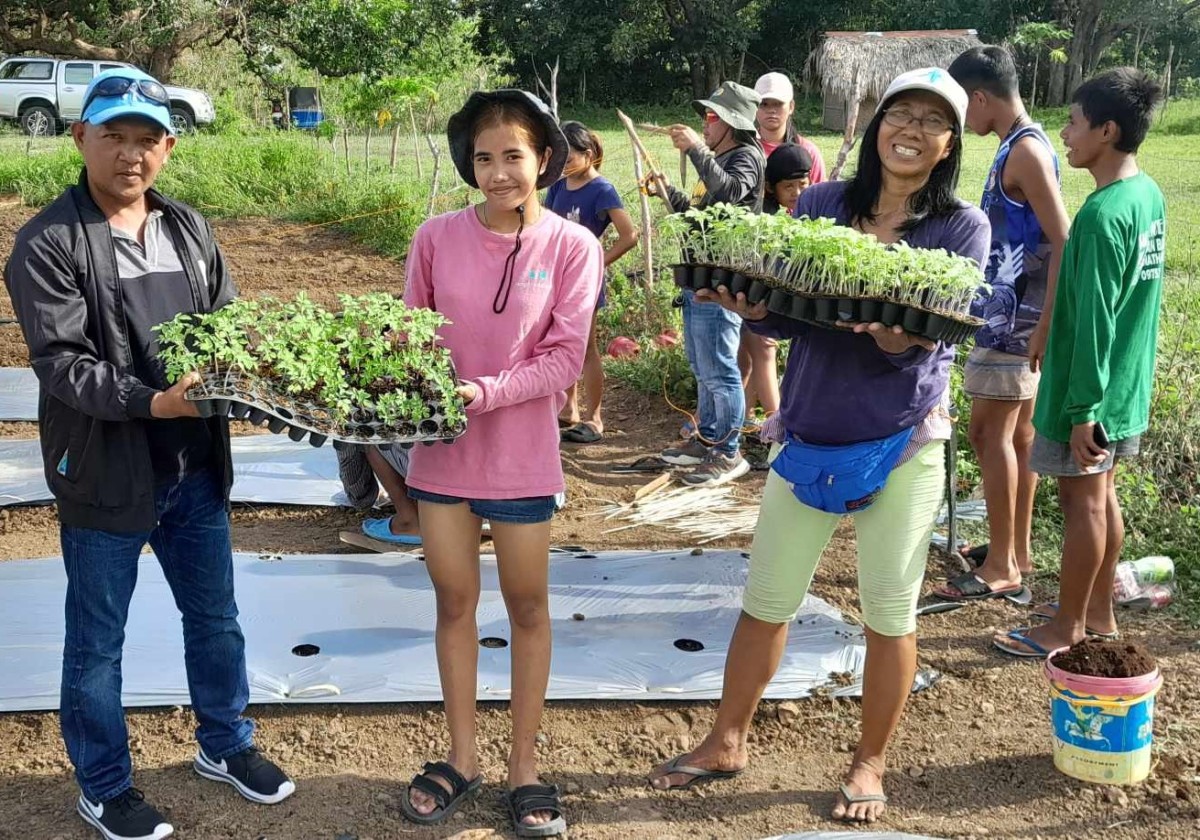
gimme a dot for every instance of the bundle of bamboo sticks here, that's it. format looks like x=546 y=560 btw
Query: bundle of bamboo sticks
x=708 y=513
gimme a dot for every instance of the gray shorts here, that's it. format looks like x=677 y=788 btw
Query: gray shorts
x=994 y=375
x=1049 y=457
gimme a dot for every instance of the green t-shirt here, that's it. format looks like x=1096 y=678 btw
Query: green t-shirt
x=1099 y=362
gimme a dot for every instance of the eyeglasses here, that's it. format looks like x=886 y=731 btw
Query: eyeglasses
x=119 y=85
x=710 y=118
x=932 y=124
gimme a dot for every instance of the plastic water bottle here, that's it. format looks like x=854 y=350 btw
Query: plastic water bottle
x=1135 y=580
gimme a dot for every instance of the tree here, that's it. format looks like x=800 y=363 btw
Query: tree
x=1041 y=38
x=149 y=33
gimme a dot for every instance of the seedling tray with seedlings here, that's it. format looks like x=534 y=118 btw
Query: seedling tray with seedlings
x=816 y=271
x=372 y=373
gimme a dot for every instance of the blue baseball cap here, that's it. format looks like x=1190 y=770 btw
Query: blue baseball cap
x=143 y=97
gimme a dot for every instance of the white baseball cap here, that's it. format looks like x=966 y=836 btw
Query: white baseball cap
x=934 y=80
x=774 y=86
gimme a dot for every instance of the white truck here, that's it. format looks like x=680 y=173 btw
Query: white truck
x=46 y=94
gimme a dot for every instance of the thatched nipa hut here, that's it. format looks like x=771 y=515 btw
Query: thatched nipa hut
x=855 y=68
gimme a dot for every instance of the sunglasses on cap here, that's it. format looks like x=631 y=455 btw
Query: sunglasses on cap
x=118 y=86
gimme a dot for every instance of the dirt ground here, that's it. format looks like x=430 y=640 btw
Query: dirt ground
x=971 y=759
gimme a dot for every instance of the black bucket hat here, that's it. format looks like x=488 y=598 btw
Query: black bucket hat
x=459 y=132
x=736 y=105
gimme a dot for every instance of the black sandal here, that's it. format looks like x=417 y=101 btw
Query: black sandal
x=448 y=801
x=529 y=799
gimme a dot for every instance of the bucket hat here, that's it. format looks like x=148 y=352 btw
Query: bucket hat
x=736 y=105
x=459 y=132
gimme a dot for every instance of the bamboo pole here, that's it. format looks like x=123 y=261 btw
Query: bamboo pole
x=647 y=230
x=395 y=142
x=416 y=141
x=346 y=148
x=437 y=172
x=660 y=181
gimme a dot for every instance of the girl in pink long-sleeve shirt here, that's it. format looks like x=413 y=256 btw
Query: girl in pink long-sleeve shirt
x=518 y=284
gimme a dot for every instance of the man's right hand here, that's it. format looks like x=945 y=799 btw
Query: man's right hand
x=739 y=304
x=168 y=404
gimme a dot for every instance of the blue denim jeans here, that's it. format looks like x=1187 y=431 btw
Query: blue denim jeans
x=193 y=547
x=711 y=335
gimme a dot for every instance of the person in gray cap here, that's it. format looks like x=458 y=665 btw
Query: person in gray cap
x=730 y=163
x=126 y=455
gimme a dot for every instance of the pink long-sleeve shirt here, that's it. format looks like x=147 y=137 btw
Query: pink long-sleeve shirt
x=520 y=361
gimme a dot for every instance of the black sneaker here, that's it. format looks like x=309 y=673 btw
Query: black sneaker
x=687 y=454
x=127 y=816
x=252 y=775
x=717 y=469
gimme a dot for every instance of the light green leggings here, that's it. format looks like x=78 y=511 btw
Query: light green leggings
x=893 y=543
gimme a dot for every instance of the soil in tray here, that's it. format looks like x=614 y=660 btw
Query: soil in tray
x=1106 y=658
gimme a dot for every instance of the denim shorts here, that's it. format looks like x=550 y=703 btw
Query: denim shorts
x=528 y=511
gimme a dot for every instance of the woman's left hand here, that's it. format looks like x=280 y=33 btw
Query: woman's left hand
x=467 y=391
x=891 y=340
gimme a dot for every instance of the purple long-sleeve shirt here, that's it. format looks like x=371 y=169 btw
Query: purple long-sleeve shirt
x=839 y=386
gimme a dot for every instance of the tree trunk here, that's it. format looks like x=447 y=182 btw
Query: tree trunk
x=367 y=151
x=1033 y=86
x=1137 y=47
x=847 y=139
x=696 y=69
x=412 y=118
x=395 y=143
x=1056 y=93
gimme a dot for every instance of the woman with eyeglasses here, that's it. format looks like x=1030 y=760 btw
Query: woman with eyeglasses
x=730 y=163
x=862 y=393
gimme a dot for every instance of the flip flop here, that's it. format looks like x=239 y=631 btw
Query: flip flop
x=646 y=464
x=381 y=529
x=581 y=433
x=1095 y=634
x=699 y=774
x=971 y=587
x=564 y=424
x=935 y=607
x=858 y=798
x=1035 y=650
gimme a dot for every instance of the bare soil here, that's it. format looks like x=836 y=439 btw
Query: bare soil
x=1106 y=658
x=971 y=758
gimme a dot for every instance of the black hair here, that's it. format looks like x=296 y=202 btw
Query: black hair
x=990 y=69
x=1125 y=96
x=583 y=140
x=936 y=198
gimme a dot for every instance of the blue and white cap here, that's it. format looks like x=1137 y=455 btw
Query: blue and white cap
x=934 y=80
x=132 y=103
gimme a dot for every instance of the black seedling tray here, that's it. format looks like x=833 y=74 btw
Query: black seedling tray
x=826 y=311
x=245 y=397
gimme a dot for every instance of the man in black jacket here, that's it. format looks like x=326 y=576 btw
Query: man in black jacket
x=730 y=164
x=126 y=455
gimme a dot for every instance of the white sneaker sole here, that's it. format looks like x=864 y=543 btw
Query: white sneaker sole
x=210 y=771
x=681 y=460
x=733 y=475
x=161 y=831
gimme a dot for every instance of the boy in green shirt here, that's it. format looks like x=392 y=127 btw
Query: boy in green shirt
x=1093 y=402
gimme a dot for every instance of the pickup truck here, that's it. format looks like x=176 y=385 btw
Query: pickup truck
x=45 y=94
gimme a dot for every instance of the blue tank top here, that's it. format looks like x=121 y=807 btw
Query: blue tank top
x=1018 y=262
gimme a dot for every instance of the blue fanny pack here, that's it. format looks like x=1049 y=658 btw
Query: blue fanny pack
x=839 y=479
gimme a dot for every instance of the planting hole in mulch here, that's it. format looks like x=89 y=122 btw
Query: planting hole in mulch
x=689 y=645
x=1106 y=658
x=306 y=650
x=493 y=642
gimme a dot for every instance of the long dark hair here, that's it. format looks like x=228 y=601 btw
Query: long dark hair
x=936 y=198
x=583 y=140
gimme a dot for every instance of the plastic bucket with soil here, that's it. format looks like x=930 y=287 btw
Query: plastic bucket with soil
x=1102 y=710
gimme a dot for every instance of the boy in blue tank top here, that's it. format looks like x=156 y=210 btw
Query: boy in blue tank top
x=1029 y=229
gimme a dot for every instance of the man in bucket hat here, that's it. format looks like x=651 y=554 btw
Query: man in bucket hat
x=730 y=164
x=128 y=459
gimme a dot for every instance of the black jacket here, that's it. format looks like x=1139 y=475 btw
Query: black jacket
x=735 y=177
x=92 y=409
